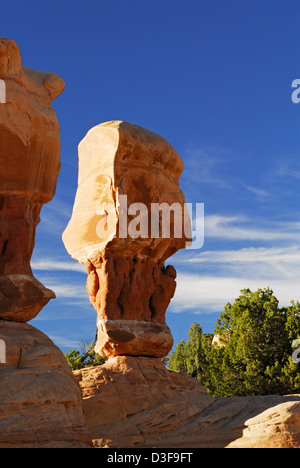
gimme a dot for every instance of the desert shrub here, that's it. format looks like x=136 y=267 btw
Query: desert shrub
x=85 y=357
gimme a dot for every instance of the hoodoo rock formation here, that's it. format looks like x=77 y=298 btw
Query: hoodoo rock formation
x=125 y=174
x=30 y=163
x=40 y=402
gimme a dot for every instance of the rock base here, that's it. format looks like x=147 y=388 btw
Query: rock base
x=134 y=402
x=40 y=401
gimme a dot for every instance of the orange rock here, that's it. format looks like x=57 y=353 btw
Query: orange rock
x=30 y=164
x=121 y=159
x=22 y=297
x=135 y=402
x=40 y=401
x=133 y=337
x=125 y=170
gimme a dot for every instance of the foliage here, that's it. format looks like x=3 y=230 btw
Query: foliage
x=191 y=356
x=86 y=357
x=253 y=355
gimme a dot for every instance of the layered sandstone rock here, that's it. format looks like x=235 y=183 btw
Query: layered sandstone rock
x=135 y=402
x=139 y=401
x=30 y=163
x=126 y=173
x=40 y=401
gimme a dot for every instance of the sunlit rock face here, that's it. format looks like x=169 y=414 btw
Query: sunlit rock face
x=125 y=173
x=29 y=168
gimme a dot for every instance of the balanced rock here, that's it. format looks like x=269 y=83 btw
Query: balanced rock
x=129 y=216
x=30 y=164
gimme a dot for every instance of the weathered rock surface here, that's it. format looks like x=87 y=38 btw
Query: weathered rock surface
x=29 y=130
x=133 y=337
x=30 y=164
x=118 y=158
x=40 y=401
x=131 y=289
x=22 y=297
x=275 y=423
x=135 y=402
x=124 y=170
x=131 y=297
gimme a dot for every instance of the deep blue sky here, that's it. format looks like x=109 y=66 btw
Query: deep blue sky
x=214 y=78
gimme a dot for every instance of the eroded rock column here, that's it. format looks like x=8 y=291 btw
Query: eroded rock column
x=40 y=402
x=129 y=216
x=29 y=168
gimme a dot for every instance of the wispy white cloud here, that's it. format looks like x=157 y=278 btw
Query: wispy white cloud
x=259 y=192
x=48 y=264
x=204 y=294
x=205 y=164
x=64 y=342
x=267 y=262
x=55 y=217
x=288 y=167
x=67 y=290
x=210 y=279
x=244 y=228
